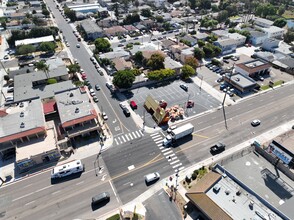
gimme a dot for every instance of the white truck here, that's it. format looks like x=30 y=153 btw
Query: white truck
x=178 y=133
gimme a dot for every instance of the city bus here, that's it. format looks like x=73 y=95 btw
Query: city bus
x=67 y=169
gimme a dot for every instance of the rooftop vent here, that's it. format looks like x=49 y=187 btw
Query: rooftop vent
x=227 y=192
x=21 y=114
x=77 y=110
x=71 y=94
x=22 y=125
x=238 y=193
x=216 y=188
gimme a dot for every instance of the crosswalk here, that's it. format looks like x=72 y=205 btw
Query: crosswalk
x=128 y=137
x=167 y=152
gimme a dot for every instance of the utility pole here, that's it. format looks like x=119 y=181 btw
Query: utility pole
x=176 y=187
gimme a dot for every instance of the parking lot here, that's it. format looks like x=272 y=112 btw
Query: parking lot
x=173 y=95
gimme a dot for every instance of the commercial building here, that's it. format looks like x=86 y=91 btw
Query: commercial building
x=253 y=68
x=91 y=29
x=242 y=83
x=34 y=41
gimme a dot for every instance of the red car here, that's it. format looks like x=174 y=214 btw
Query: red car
x=190 y=104
x=84 y=76
x=133 y=105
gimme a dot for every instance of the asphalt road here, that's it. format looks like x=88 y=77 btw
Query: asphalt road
x=126 y=165
x=117 y=122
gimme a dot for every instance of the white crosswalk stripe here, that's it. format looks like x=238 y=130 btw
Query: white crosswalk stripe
x=175 y=166
x=157 y=139
x=116 y=141
x=131 y=136
x=154 y=134
x=138 y=134
x=166 y=153
x=123 y=138
x=119 y=140
x=164 y=150
x=158 y=142
x=128 y=137
x=134 y=134
x=161 y=148
x=176 y=161
x=141 y=132
x=167 y=157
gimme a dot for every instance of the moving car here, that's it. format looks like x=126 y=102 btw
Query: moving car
x=184 y=87
x=97 y=87
x=152 y=177
x=100 y=198
x=255 y=122
x=217 y=148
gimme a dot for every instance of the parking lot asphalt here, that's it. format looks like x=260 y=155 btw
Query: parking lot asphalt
x=173 y=95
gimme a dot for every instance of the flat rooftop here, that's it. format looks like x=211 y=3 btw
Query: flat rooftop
x=262 y=177
x=254 y=63
x=241 y=80
x=36 y=146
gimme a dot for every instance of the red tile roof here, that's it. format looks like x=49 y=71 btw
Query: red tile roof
x=80 y=120
x=22 y=134
x=49 y=107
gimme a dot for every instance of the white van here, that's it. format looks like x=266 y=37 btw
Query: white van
x=152 y=177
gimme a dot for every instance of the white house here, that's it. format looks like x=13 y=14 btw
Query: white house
x=257 y=37
x=34 y=41
x=270 y=43
x=262 y=22
x=274 y=32
x=240 y=39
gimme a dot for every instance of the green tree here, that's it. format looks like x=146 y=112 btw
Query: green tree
x=198 y=53
x=51 y=81
x=193 y=4
x=116 y=11
x=70 y=14
x=6 y=78
x=138 y=57
x=192 y=61
x=156 y=61
x=124 y=79
x=280 y=22
x=222 y=16
x=74 y=68
x=187 y=71
x=146 y=12
x=159 y=19
x=26 y=21
x=41 y=65
x=102 y=45
x=131 y=18
x=25 y=49
x=265 y=9
x=45 y=12
x=204 y=4
x=200 y=43
x=289 y=35
x=47 y=46
x=281 y=10
x=3 y=24
x=160 y=74
x=34 y=12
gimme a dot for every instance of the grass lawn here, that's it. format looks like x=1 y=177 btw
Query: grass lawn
x=235 y=17
x=277 y=83
x=114 y=217
x=288 y=14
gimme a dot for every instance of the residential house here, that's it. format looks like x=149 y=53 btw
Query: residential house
x=35 y=4
x=201 y=36
x=220 y=33
x=103 y=12
x=166 y=17
x=253 y=68
x=167 y=43
x=107 y=22
x=112 y=55
x=287 y=65
x=186 y=53
x=131 y=28
x=283 y=50
x=144 y=47
x=122 y=64
x=156 y=3
x=257 y=37
x=148 y=23
x=115 y=30
x=270 y=43
x=240 y=39
x=148 y=53
x=227 y=45
x=188 y=40
x=262 y=22
x=267 y=56
x=169 y=63
x=274 y=32
x=34 y=41
x=84 y=8
x=91 y=29
x=176 y=50
x=17 y=16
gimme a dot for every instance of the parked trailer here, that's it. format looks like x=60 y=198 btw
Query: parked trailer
x=67 y=169
x=178 y=133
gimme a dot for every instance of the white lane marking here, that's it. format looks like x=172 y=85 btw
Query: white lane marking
x=27 y=185
x=175 y=166
x=116 y=141
x=112 y=187
x=153 y=134
x=176 y=161
x=30 y=202
x=170 y=155
x=47 y=187
x=133 y=133
x=80 y=183
x=127 y=137
x=56 y=192
x=164 y=150
x=168 y=152
x=138 y=133
x=23 y=196
x=131 y=167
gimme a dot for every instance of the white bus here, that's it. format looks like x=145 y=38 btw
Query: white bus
x=63 y=170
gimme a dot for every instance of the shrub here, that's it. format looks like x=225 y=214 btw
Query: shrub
x=51 y=81
x=194 y=176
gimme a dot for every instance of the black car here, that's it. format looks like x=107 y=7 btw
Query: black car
x=184 y=87
x=126 y=112
x=217 y=148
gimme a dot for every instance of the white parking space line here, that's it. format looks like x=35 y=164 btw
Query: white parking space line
x=133 y=133
x=56 y=192
x=30 y=202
